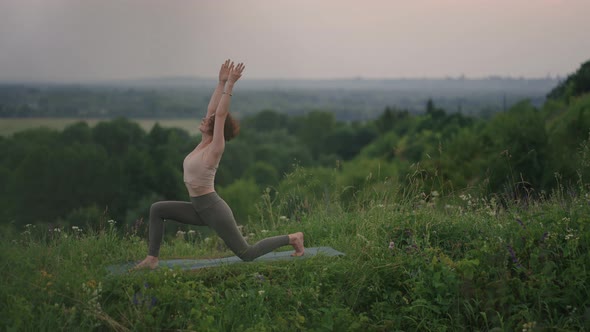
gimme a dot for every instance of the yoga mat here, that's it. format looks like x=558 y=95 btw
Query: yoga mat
x=194 y=264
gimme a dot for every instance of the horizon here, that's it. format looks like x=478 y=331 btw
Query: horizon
x=260 y=79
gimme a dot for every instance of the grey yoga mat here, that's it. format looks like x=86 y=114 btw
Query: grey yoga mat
x=194 y=264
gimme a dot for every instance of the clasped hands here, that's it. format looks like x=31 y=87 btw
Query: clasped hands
x=229 y=72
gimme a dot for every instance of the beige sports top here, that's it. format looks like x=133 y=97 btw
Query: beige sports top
x=199 y=177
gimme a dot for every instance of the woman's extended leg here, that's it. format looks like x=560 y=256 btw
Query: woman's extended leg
x=182 y=212
x=217 y=214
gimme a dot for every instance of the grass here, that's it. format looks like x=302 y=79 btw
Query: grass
x=451 y=263
x=9 y=126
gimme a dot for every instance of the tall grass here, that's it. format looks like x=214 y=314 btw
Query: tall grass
x=414 y=262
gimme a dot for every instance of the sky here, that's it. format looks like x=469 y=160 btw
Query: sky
x=93 y=40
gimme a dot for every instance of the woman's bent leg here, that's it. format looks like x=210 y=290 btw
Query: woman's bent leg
x=182 y=212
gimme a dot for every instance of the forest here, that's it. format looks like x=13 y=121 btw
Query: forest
x=117 y=168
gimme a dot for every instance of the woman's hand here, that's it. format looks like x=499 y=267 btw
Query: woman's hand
x=235 y=72
x=224 y=71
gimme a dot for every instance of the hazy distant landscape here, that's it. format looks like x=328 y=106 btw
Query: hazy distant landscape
x=348 y=99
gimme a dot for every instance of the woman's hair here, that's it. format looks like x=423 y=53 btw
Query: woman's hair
x=231 y=127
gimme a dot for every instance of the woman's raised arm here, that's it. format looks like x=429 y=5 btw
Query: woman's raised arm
x=216 y=97
x=223 y=108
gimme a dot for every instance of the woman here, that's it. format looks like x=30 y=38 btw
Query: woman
x=206 y=208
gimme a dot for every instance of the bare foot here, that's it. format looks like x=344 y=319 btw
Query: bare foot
x=296 y=240
x=150 y=262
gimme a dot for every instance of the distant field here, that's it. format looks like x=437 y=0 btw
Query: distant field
x=11 y=126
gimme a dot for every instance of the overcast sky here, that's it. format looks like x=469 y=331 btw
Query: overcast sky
x=86 y=40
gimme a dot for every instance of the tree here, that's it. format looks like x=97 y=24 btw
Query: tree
x=118 y=135
x=78 y=132
x=263 y=174
x=390 y=118
x=266 y=120
x=516 y=144
x=567 y=130
x=575 y=84
x=313 y=129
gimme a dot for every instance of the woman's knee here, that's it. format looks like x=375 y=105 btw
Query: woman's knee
x=247 y=255
x=157 y=208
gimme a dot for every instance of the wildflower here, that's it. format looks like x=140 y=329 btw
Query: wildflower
x=261 y=292
x=91 y=283
x=111 y=222
x=391 y=245
x=283 y=218
x=191 y=232
x=264 y=231
x=570 y=234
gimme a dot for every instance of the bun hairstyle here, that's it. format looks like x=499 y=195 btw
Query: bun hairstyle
x=231 y=127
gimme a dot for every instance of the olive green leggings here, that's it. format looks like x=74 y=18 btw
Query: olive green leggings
x=208 y=210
